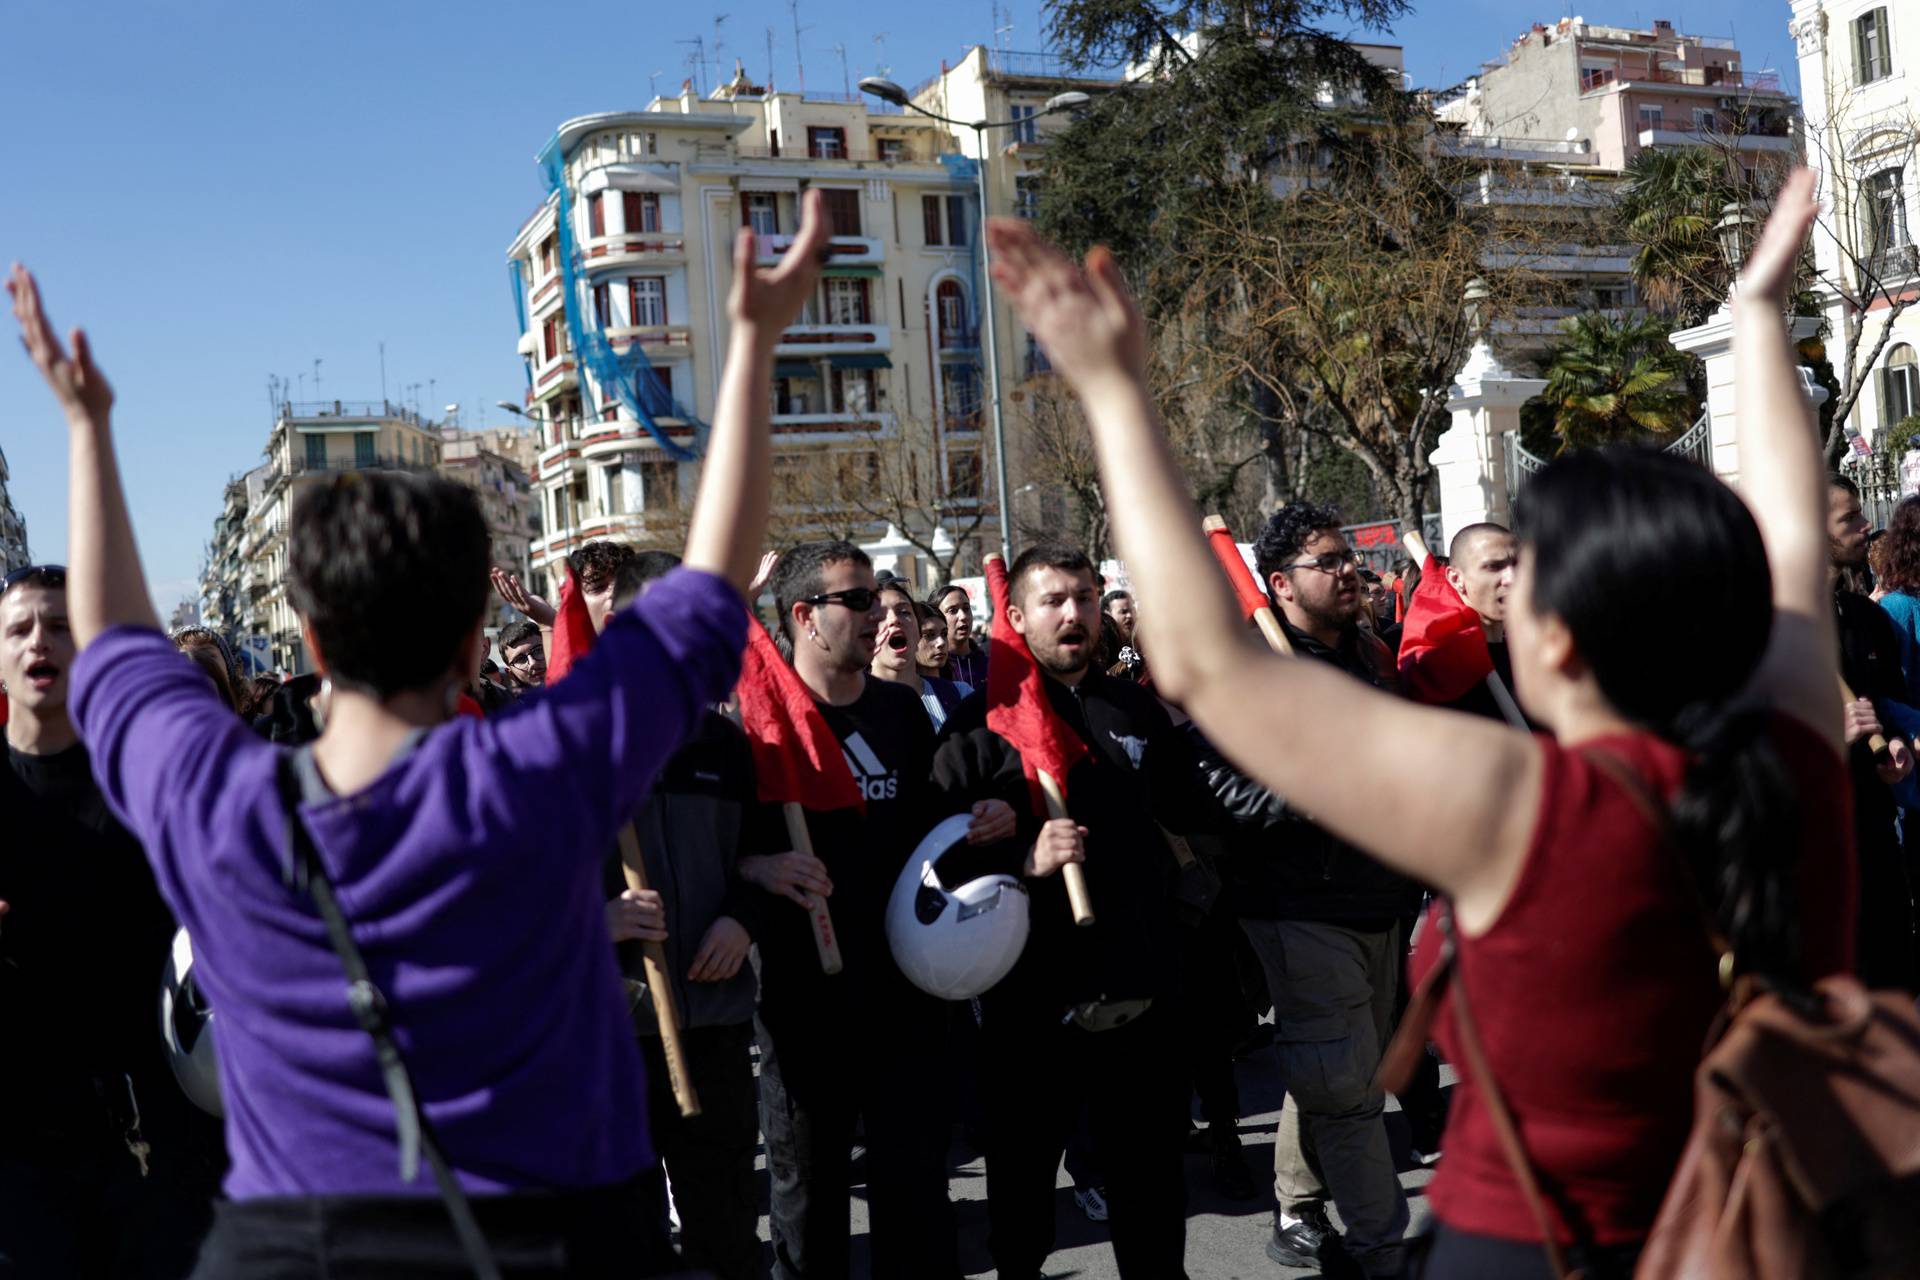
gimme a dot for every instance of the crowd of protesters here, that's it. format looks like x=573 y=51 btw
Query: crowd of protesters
x=451 y=896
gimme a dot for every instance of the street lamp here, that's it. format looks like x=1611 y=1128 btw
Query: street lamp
x=1474 y=303
x=1734 y=231
x=888 y=91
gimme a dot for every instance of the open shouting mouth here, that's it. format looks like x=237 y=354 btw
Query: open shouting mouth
x=42 y=675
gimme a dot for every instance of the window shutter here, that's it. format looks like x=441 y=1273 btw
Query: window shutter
x=930 y=215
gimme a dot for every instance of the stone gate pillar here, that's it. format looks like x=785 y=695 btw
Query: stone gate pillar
x=1470 y=458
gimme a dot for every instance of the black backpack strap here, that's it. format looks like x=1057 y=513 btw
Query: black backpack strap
x=305 y=873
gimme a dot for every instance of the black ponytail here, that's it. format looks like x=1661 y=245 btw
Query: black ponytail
x=1627 y=546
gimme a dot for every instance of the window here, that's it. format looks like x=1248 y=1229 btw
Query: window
x=826 y=142
x=846 y=301
x=546 y=256
x=1886 y=212
x=363 y=448
x=1611 y=297
x=1652 y=118
x=1871 y=60
x=963 y=474
x=931 y=214
x=1026 y=197
x=945 y=220
x=950 y=308
x=317 y=453
x=1899 y=386
x=854 y=390
x=1026 y=124
x=793 y=391
x=614 y=505
x=642 y=210
x=602 y=306
x=760 y=210
x=659 y=484
x=1704 y=121
x=891 y=148
x=1036 y=359
x=843 y=210
x=550 y=337
x=597 y=214
x=960 y=390
x=654 y=387
x=647 y=299
x=1597 y=74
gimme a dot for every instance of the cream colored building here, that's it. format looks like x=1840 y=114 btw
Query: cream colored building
x=484 y=461
x=13 y=529
x=1861 y=86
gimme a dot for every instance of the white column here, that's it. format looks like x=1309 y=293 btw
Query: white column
x=1713 y=343
x=1471 y=455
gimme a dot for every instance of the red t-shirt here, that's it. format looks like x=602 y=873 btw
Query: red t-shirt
x=1595 y=988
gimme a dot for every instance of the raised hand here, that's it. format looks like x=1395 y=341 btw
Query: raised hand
x=763 y=575
x=1768 y=275
x=767 y=301
x=76 y=380
x=1083 y=316
x=515 y=593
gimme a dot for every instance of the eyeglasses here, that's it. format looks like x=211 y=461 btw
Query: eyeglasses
x=532 y=657
x=858 y=599
x=52 y=576
x=1333 y=563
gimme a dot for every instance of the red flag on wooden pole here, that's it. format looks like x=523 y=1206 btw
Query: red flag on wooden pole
x=1252 y=598
x=572 y=630
x=1018 y=710
x=1443 y=648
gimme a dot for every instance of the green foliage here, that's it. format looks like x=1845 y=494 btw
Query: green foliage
x=1669 y=205
x=1616 y=380
x=1103 y=33
x=1902 y=436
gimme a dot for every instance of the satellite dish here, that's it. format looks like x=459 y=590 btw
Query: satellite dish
x=1573 y=133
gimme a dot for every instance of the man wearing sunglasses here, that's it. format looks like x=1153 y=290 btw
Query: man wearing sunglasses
x=523 y=657
x=105 y=1167
x=1323 y=916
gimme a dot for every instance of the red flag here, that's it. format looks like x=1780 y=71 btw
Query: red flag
x=796 y=758
x=466 y=706
x=1017 y=706
x=1443 y=650
x=3 y=710
x=572 y=630
x=1245 y=589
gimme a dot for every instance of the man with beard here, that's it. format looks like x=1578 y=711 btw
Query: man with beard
x=863 y=1044
x=966 y=652
x=1094 y=1008
x=106 y=1170
x=1325 y=920
x=1870 y=664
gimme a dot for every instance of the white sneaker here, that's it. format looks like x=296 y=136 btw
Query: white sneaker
x=1091 y=1203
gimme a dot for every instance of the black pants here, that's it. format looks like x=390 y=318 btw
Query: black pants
x=709 y=1157
x=1215 y=1014
x=819 y=1077
x=604 y=1232
x=1133 y=1082
x=1445 y=1254
x=84 y=1211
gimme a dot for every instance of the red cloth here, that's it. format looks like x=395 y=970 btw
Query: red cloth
x=1443 y=647
x=3 y=710
x=1595 y=987
x=795 y=755
x=572 y=630
x=1017 y=706
x=468 y=707
x=1246 y=590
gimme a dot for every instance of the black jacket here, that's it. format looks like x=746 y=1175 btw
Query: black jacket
x=1870 y=664
x=1140 y=776
x=701 y=817
x=1285 y=866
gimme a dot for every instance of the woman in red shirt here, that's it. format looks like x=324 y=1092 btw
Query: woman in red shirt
x=1580 y=939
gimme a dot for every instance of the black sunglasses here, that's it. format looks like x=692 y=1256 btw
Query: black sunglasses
x=51 y=576
x=858 y=599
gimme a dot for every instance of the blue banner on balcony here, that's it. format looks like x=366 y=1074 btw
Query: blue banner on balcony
x=795 y=369
x=861 y=361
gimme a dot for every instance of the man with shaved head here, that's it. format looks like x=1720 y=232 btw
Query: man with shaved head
x=1480 y=562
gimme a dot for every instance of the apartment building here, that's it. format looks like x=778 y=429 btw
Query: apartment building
x=1862 y=105
x=13 y=528
x=484 y=462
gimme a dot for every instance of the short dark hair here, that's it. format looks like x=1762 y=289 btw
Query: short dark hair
x=1045 y=555
x=515 y=634
x=801 y=571
x=1460 y=540
x=638 y=570
x=390 y=571
x=944 y=590
x=925 y=613
x=596 y=563
x=1835 y=480
x=1111 y=596
x=1287 y=530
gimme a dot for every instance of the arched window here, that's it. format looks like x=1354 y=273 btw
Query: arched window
x=950 y=304
x=1899 y=385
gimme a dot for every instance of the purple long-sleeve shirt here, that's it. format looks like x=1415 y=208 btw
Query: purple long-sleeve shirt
x=470 y=871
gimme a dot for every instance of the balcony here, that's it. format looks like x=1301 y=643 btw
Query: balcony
x=959 y=341
x=603 y=253
x=842 y=251
x=545 y=297
x=1703 y=138
x=650 y=336
x=301 y=465
x=833 y=339
x=1593 y=79
x=554 y=375
x=865 y=424
x=1519 y=150
x=1893 y=263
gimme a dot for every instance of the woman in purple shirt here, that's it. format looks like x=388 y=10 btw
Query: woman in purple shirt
x=465 y=854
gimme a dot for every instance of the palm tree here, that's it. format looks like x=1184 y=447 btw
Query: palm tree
x=1617 y=380
x=1669 y=204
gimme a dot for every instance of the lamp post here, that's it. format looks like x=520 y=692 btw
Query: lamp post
x=888 y=91
x=1734 y=232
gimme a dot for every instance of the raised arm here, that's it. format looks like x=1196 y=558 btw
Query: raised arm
x=730 y=514
x=1782 y=476
x=105 y=587
x=1461 y=824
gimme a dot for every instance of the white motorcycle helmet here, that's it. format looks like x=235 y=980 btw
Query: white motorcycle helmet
x=186 y=1027
x=954 y=943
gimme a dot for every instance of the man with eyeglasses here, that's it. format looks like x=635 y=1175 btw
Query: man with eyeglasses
x=863 y=1044
x=1324 y=918
x=523 y=656
x=105 y=1168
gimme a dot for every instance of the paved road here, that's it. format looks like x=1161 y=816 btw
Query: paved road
x=1225 y=1239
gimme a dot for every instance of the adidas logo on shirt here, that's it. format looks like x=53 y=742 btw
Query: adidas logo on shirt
x=876 y=781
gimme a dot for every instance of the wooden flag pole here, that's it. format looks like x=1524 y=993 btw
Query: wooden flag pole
x=1073 y=873
x=1876 y=743
x=824 y=940
x=1509 y=709
x=665 y=1012
x=1263 y=616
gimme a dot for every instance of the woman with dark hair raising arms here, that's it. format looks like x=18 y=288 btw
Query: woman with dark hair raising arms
x=1592 y=979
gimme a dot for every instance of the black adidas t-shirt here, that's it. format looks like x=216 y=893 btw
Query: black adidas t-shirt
x=888 y=743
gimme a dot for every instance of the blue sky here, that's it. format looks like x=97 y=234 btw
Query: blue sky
x=220 y=190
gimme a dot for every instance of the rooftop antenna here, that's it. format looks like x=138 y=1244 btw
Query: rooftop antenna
x=316 y=377
x=383 y=373
x=769 y=59
x=799 y=66
x=431 y=384
x=653 y=82
x=846 y=81
x=697 y=59
x=1002 y=26
x=719 y=67
x=880 y=67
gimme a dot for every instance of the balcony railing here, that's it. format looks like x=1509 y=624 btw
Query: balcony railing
x=959 y=339
x=825 y=339
x=301 y=464
x=844 y=250
x=350 y=409
x=1046 y=66
x=600 y=250
x=1592 y=78
x=1663 y=137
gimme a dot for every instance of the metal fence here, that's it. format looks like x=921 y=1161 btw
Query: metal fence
x=1696 y=443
